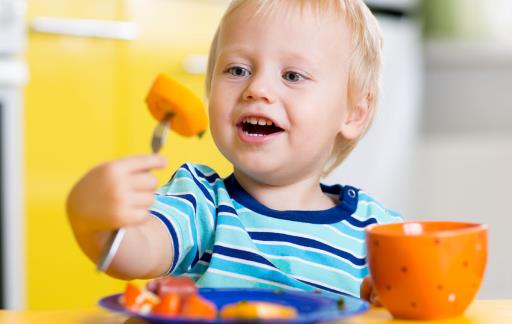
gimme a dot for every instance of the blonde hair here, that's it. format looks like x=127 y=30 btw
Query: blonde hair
x=365 y=61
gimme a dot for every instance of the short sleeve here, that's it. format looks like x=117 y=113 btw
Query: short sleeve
x=371 y=211
x=186 y=205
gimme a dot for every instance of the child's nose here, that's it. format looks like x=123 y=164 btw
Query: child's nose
x=259 y=89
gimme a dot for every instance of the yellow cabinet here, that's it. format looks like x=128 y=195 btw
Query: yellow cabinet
x=85 y=105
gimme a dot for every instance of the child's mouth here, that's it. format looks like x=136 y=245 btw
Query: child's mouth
x=258 y=127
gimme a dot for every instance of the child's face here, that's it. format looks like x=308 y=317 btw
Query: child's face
x=288 y=68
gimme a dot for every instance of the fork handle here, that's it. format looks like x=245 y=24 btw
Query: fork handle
x=113 y=243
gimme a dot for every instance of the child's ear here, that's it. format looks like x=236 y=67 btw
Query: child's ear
x=357 y=118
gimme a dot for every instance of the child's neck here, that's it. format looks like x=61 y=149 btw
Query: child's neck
x=304 y=194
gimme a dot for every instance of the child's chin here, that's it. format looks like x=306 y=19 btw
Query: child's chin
x=264 y=171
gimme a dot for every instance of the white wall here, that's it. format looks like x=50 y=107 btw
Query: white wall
x=468 y=88
x=469 y=178
x=381 y=163
x=463 y=168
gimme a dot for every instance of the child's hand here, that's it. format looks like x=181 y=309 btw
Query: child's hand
x=115 y=194
x=368 y=292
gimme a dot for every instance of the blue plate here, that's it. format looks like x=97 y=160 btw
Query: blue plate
x=311 y=307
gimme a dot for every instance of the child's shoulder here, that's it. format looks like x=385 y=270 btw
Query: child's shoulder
x=371 y=210
x=191 y=175
x=197 y=171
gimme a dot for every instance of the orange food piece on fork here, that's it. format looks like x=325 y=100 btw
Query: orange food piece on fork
x=169 y=96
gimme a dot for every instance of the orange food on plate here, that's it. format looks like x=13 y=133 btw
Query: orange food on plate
x=168 y=297
x=168 y=96
x=246 y=310
x=178 y=297
x=138 y=300
x=169 y=305
x=196 y=306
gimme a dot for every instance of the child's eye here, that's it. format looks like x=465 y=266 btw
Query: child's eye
x=238 y=71
x=293 y=76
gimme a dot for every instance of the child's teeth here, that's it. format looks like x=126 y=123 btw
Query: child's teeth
x=258 y=121
x=250 y=134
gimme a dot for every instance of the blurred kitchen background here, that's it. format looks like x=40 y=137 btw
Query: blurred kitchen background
x=73 y=76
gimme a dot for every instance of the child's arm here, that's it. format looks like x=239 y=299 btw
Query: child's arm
x=118 y=194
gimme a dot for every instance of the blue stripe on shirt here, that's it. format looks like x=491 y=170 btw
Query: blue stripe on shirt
x=174 y=237
x=205 y=191
x=210 y=178
x=280 y=237
x=358 y=223
x=226 y=209
x=339 y=292
x=190 y=198
x=241 y=254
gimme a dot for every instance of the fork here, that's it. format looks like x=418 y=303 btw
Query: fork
x=116 y=237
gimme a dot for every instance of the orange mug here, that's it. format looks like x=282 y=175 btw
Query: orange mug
x=427 y=270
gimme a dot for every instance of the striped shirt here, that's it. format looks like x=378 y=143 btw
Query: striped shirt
x=223 y=237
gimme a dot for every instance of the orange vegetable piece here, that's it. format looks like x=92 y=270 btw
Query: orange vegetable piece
x=169 y=305
x=137 y=300
x=196 y=306
x=168 y=96
x=246 y=310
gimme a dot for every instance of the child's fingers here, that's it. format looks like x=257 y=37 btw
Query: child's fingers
x=139 y=163
x=142 y=200
x=143 y=182
x=366 y=289
x=368 y=293
x=374 y=299
x=138 y=215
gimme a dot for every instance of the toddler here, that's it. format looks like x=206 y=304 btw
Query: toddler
x=292 y=87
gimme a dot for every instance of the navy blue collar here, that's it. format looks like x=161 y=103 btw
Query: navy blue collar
x=347 y=205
